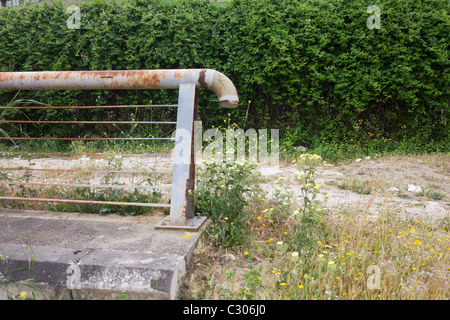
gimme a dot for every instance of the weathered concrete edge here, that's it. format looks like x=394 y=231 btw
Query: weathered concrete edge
x=59 y=273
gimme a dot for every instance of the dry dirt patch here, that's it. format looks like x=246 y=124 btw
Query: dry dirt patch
x=376 y=184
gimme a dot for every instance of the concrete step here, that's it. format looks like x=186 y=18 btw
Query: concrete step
x=54 y=255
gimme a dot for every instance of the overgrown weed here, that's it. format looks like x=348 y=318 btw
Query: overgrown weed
x=307 y=251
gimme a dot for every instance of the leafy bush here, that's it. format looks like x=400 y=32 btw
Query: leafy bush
x=222 y=195
x=311 y=68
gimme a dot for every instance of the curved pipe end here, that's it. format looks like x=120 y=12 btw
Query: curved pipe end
x=221 y=85
x=229 y=103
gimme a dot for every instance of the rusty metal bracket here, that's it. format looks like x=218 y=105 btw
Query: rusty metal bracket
x=187 y=81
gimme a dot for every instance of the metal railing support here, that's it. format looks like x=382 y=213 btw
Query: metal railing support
x=183 y=178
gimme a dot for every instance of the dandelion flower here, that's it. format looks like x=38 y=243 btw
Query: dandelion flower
x=23 y=295
x=186 y=235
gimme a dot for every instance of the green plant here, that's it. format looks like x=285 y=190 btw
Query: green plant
x=123 y=296
x=30 y=284
x=310 y=228
x=222 y=194
x=358 y=186
x=436 y=195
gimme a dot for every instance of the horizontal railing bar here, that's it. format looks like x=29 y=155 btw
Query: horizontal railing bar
x=53 y=138
x=95 y=107
x=85 y=154
x=157 y=205
x=109 y=186
x=123 y=80
x=91 y=122
x=83 y=170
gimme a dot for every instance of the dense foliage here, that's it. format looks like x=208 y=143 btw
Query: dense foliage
x=311 y=68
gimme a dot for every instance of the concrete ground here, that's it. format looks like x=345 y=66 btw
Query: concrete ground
x=54 y=255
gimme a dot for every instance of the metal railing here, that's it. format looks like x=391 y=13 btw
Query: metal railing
x=183 y=174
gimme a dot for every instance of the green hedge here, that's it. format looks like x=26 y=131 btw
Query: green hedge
x=311 y=68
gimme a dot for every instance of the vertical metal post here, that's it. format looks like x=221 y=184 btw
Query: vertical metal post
x=183 y=179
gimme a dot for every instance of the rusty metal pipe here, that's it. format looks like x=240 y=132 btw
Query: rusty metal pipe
x=88 y=122
x=123 y=79
x=110 y=186
x=96 y=107
x=86 y=139
x=85 y=170
x=102 y=155
x=112 y=203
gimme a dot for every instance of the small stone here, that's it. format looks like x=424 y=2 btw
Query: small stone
x=227 y=258
x=358 y=160
x=394 y=189
x=413 y=188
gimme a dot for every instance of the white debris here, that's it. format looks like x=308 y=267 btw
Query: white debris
x=358 y=160
x=394 y=189
x=413 y=188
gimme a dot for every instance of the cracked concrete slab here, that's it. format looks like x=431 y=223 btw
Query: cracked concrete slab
x=77 y=256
